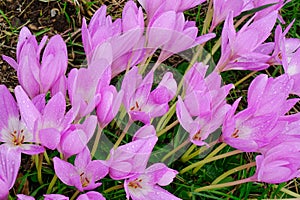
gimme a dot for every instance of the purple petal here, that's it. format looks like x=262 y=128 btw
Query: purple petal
x=160 y=174
x=10 y=161
x=55 y=197
x=28 y=111
x=49 y=137
x=24 y=197
x=8 y=107
x=66 y=172
x=91 y=196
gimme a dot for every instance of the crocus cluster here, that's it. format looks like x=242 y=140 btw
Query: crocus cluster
x=52 y=110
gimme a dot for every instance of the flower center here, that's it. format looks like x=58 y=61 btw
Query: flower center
x=235 y=134
x=197 y=136
x=84 y=180
x=18 y=137
x=136 y=183
x=136 y=107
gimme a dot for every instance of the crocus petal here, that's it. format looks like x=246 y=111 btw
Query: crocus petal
x=28 y=111
x=24 y=197
x=55 y=110
x=8 y=107
x=49 y=137
x=160 y=30
x=91 y=196
x=11 y=62
x=66 y=172
x=160 y=174
x=55 y=197
x=68 y=140
x=10 y=161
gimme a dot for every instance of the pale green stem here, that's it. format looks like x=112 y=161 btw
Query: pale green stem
x=185 y=156
x=113 y=188
x=39 y=169
x=232 y=171
x=203 y=148
x=75 y=195
x=175 y=150
x=212 y=154
x=52 y=183
x=208 y=18
x=144 y=64
x=96 y=141
x=222 y=185
x=244 y=78
x=289 y=192
x=47 y=158
x=161 y=132
x=208 y=160
x=164 y=118
x=118 y=142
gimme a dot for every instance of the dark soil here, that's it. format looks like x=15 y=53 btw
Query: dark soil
x=45 y=17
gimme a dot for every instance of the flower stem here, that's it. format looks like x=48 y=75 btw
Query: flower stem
x=75 y=195
x=47 y=158
x=161 y=132
x=222 y=185
x=116 y=187
x=166 y=118
x=234 y=170
x=207 y=160
x=208 y=18
x=118 y=142
x=52 y=183
x=212 y=154
x=96 y=141
x=203 y=148
x=289 y=192
x=245 y=78
x=185 y=156
x=39 y=168
x=175 y=150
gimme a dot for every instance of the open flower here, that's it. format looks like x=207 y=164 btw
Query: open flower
x=204 y=107
x=132 y=158
x=84 y=174
x=140 y=102
x=14 y=132
x=146 y=185
x=256 y=126
x=280 y=163
x=238 y=51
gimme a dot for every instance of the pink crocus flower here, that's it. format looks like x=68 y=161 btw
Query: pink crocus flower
x=109 y=105
x=182 y=36
x=10 y=161
x=238 y=51
x=124 y=34
x=224 y=7
x=15 y=132
x=255 y=127
x=146 y=185
x=204 y=107
x=84 y=174
x=48 y=122
x=132 y=158
x=78 y=134
x=84 y=85
x=35 y=76
x=140 y=102
x=280 y=163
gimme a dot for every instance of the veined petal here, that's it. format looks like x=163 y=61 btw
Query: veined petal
x=66 y=172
